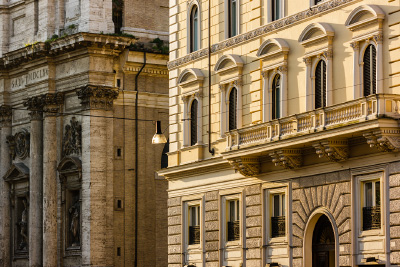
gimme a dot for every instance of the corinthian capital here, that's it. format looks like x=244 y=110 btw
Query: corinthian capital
x=97 y=97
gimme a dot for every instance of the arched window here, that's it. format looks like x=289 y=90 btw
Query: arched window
x=320 y=84
x=276 y=97
x=193 y=123
x=233 y=18
x=194 y=29
x=233 y=109
x=369 y=70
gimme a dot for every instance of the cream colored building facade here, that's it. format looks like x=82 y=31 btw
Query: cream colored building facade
x=81 y=86
x=299 y=165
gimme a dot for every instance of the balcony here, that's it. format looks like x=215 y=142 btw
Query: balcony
x=327 y=130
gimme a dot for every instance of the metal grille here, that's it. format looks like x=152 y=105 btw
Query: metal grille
x=233 y=109
x=278 y=226
x=233 y=231
x=276 y=97
x=194 y=235
x=371 y=218
x=369 y=70
x=193 y=123
x=320 y=84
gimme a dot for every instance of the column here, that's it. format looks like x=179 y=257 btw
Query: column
x=35 y=182
x=186 y=122
x=222 y=103
x=356 y=69
x=329 y=78
x=309 y=100
x=51 y=106
x=5 y=162
x=96 y=101
x=379 y=60
x=266 y=102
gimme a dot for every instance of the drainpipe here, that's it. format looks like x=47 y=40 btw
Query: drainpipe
x=136 y=157
x=210 y=149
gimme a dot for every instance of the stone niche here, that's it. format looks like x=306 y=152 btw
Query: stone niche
x=18 y=179
x=70 y=174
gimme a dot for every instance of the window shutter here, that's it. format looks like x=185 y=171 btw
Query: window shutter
x=276 y=88
x=193 y=123
x=233 y=109
x=320 y=84
x=373 y=67
x=369 y=70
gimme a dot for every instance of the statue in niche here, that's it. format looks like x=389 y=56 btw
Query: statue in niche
x=23 y=224
x=74 y=229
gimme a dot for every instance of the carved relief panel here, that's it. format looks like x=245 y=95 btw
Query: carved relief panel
x=19 y=144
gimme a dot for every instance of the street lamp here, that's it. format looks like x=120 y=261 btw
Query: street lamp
x=159 y=137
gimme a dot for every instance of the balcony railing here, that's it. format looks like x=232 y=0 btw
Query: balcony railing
x=371 y=218
x=194 y=235
x=355 y=111
x=233 y=231
x=278 y=226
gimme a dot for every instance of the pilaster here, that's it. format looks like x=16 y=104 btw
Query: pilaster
x=5 y=163
x=96 y=101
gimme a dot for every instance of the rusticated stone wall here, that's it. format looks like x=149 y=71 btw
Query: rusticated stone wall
x=174 y=232
x=211 y=228
x=253 y=225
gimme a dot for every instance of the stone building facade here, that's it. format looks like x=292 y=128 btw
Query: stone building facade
x=284 y=133
x=82 y=84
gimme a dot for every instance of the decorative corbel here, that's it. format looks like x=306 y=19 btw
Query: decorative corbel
x=333 y=149
x=287 y=158
x=383 y=141
x=247 y=166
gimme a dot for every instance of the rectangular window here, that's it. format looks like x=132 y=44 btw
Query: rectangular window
x=233 y=220
x=194 y=224
x=276 y=9
x=233 y=18
x=371 y=211
x=278 y=227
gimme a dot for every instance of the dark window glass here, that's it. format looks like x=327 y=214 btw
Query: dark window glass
x=369 y=70
x=276 y=97
x=233 y=222
x=372 y=206
x=233 y=109
x=117 y=11
x=320 y=85
x=194 y=29
x=164 y=156
x=232 y=18
x=194 y=227
x=193 y=122
x=276 y=9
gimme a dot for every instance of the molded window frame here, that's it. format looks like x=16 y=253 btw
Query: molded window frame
x=191 y=31
x=228 y=18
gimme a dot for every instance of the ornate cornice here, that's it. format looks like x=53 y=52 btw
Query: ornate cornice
x=384 y=141
x=5 y=115
x=97 y=97
x=334 y=149
x=287 y=158
x=273 y=26
x=247 y=166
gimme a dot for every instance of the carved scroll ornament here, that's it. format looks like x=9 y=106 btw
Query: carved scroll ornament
x=334 y=150
x=287 y=158
x=97 y=97
x=384 y=142
x=19 y=144
x=247 y=166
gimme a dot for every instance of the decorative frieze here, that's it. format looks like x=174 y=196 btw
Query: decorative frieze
x=19 y=144
x=333 y=149
x=72 y=140
x=287 y=158
x=97 y=97
x=273 y=26
x=385 y=141
x=247 y=166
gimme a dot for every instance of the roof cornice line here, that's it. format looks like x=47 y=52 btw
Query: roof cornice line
x=261 y=31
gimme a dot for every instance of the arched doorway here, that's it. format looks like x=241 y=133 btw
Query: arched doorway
x=323 y=243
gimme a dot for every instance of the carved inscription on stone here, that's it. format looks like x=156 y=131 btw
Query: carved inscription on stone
x=31 y=77
x=19 y=144
x=72 y=141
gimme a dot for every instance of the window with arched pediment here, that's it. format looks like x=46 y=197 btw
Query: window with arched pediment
x=365 y=22
x=233 y=109
x=320 y=84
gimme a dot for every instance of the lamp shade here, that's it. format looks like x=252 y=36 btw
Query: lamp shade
x=159 y=137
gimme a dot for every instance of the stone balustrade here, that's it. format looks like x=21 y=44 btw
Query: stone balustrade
x=323 y=119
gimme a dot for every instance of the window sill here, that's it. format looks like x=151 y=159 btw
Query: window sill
x=235 y=243
x=277 y=240
x=372 y=232
x=194 y=247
